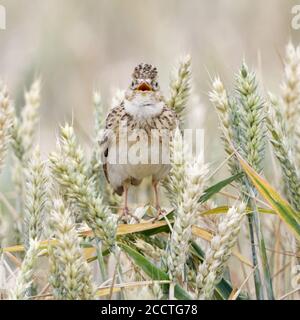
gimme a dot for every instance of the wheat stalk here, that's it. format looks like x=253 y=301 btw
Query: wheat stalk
x=23 y=130
x=24 y=279
x=251 y=119
x=70 y=274
x=290 y=88
x=70 y=171
x=242 y=119
x=35 y=198
x=185 y=185
x=24 y=127
x=180 y=87
x=157 y=291
x=227 y=114
x=252 y=131
x=5 y=122
x=286 y=114
x=283 y=151
x=195 y=178
x=211 y=270
x=174 y=183
x=149 y=248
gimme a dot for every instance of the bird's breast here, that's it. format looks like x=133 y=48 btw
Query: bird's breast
x=143 y=107
x=141 y=157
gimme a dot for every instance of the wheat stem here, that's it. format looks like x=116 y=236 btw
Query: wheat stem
x=252 y=148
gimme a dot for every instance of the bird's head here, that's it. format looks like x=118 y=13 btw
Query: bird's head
x=144 y=78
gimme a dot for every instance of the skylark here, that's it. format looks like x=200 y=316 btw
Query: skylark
x=137 y=134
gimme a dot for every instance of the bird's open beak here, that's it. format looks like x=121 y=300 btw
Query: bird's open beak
x=144 y=86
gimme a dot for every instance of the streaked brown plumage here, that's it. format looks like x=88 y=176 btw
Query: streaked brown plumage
x=143 y=110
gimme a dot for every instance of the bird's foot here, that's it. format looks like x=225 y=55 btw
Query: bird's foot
x=126 y=214
x=160 y=213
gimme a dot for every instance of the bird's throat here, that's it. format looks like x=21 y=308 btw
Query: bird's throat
x=143 y=106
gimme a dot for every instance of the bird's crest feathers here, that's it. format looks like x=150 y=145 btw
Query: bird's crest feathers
x=145 y=71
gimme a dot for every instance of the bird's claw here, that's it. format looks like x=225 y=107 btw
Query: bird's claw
x=126 y=214
x=160 y=213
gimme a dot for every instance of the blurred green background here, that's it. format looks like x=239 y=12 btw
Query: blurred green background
x=77 y=46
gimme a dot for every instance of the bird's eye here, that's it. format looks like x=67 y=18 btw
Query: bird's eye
x=132 y=85
x=155 y=85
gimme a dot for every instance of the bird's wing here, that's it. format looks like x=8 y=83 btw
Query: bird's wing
x=112 y=123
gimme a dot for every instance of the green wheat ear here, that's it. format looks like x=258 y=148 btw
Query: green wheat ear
x=251 y=114
x=283 y=151
x=24 y=280
x=24 y=127
x=211 y=270
x=180 y=87
x=242 y=117
x=187 y=206
x=70 y=171
x=290 y=90
x=36 y=198
x=5 y=121
x=70 y=274
x=227 y=114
